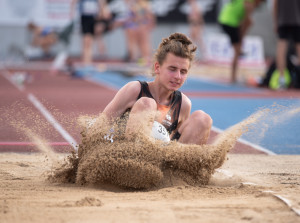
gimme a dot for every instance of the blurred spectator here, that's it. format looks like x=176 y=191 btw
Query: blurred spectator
x=196 y=24
x=42 y=37
x=90 y=11
x=286 y=15
x=46 y=37
x=130 y=26
x=138 y=23
x=146 y=20
x=235 y=19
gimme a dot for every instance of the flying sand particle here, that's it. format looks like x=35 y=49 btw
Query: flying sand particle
x=144 y=163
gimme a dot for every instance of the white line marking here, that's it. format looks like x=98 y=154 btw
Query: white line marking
x=284 y=200
x=245 y=142
x=7 y=76
x=281 y=198
x=249 y=183
x=52 y=120
x=44 y=112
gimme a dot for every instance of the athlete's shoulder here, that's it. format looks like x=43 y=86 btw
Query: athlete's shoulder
x=186 y=103
x=132 y=88
x=185 y=98
x=186 y=106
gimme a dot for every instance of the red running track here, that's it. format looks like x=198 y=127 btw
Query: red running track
x=65 y=98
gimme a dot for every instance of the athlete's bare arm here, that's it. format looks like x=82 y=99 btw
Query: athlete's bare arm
x=124 y=99
x=185 y=110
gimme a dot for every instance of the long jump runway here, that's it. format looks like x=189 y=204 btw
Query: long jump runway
x=60 y=99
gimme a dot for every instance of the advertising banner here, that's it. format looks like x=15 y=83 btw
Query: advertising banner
x=43 y=12
x=219 y=50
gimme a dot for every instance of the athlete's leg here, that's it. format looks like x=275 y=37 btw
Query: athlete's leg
x=281 y=52
x=87 y=48
x=131 y=41
x=196 y=129
x=144 y=43
x=142 y=114
x=234 y=64
x=298 y=52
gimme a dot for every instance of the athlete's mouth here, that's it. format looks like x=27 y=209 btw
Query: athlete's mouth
x=174 y=83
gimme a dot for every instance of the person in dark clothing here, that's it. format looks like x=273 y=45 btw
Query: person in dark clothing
x=235 y=19
x=91 y=11
x=286 y=15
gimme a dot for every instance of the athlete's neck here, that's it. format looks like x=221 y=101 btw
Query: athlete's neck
x=161 y=95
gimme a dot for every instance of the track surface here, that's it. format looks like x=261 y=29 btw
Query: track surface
x=65 y=98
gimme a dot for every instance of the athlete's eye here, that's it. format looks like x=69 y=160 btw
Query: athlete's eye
x=183 y=72
x=172 y=68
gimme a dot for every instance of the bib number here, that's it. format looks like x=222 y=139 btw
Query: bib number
x=160 y=132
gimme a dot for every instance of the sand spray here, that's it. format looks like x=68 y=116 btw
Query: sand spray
x=142 y=162
x=30 y=126
x=273 y=118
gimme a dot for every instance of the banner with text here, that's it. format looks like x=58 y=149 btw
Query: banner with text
x=44 y=12
x=219 y=49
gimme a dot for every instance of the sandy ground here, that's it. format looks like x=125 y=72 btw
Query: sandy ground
x=238 y=192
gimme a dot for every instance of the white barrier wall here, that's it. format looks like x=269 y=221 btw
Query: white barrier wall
x=219 y=50
x=54 y=13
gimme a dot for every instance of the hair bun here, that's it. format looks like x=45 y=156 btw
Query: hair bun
x=181 y=38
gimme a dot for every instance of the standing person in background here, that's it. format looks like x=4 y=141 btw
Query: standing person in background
x=138 y=23
x=235 y=19
x=43 y=37
x=286 y=15
x=90 y=11
x=196 y=24
x=130 y=26
x=146 y=22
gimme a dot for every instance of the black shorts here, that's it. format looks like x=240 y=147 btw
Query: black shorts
x=88 y=24
x=289 y=32
x=233 y=33
x=176 y=136
x=106 y=23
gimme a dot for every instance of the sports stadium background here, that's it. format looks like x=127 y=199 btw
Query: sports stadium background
x=171 y=17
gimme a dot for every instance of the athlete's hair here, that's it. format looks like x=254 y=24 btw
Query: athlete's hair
x=179 y=45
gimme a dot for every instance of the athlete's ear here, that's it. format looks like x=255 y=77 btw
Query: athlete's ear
x=156 y=67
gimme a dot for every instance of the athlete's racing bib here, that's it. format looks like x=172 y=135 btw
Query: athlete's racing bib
x=160 y=132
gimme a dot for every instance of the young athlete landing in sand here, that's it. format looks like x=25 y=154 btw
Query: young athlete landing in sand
x=136 y=159
x=173 y=120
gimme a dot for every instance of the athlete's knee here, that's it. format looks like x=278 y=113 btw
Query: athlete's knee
x=201 y=119
x=145 y=103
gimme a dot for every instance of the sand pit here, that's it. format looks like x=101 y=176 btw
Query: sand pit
x=145 y=181
x=27 y=197
x=140 y=161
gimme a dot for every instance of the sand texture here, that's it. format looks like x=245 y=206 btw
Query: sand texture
x=26 y=195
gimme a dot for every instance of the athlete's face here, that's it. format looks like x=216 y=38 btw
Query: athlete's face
x=173 y=71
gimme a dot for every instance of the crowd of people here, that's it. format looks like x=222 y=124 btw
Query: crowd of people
x=236 y=19
x=138 y=20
